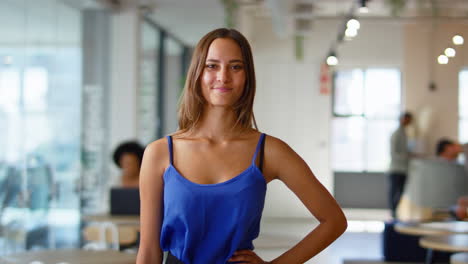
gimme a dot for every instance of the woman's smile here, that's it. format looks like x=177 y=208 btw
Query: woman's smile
x=222 y=89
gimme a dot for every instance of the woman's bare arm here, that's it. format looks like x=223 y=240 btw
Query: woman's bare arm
x=155 y=161
x=282 y=163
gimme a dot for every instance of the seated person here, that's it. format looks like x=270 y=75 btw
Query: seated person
x=448 y=150
x=128 y=156
x=411 y=207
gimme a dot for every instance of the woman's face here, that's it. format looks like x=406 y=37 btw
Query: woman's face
x=130 y=163
x=223 y=78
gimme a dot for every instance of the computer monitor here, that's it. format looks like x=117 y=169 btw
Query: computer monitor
x=124 y=201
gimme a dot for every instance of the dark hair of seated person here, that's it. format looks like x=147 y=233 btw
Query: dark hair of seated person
x=130 y=147
x=442 y=144
x=128 y=157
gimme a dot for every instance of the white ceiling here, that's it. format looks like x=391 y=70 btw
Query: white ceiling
x=191 y=19
x=188 y=20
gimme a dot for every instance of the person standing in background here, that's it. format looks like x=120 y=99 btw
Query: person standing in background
x=400 y=156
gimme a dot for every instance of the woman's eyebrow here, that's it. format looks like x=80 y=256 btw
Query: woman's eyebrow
x=231 y=61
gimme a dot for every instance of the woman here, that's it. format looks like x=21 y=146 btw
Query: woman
x=199 y=202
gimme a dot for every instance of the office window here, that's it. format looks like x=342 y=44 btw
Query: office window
x=40 y=115
x=463 y=106
x=366 y=106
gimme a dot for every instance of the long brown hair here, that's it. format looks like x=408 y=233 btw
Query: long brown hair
x=192 y=100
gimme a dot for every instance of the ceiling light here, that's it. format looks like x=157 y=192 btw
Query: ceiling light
x=458 y=40
x=353 y=23
x=350 y=32
x=450 y=52
x=442 y=59
x=332 y=60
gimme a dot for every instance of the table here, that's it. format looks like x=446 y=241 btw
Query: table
x=116 y=219
x=70 y=256
x=126 y=227
x=432 y=228
x=448 y=243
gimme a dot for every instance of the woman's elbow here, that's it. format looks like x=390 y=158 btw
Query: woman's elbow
x=342 y=225
x=338 y=224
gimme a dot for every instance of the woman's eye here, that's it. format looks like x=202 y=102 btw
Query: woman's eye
x=237 y=67
x=210 y=66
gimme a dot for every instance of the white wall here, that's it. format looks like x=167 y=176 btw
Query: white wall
x=125 y=39
x=288 y=103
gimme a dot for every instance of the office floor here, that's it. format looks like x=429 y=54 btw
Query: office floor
x=360 y=244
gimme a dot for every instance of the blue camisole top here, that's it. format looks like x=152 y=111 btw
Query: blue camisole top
x=207 y=223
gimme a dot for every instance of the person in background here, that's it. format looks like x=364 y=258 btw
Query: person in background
x=448 y=150
x=128 y=157
x=400 y=155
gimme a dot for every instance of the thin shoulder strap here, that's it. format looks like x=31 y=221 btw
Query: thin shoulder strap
x=169 y=144
x=262 y=150
x=259 y=144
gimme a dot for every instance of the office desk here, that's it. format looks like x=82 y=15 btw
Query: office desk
x=432 y=228
x=115 y=219
x=127 y=227
x=70 y=256
x=447 y=243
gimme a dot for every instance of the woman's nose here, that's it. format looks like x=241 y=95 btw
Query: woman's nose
x=223 y=75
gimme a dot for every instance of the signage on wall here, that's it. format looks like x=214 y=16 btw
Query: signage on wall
x=325 y=79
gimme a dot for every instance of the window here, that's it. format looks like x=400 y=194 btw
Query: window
x=463 y=106
x=366 y=106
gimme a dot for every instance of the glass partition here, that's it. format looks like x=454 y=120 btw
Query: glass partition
x=40 y=79
x=149 y=117
x=174 y=82
x=163 y=65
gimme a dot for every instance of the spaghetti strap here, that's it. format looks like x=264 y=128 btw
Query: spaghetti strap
x=169 y=144
x=257 y=149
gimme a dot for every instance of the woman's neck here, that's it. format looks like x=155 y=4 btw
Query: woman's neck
x=218 y=124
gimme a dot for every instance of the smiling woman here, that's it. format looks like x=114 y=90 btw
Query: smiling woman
x=203 y=188
x=223 y=78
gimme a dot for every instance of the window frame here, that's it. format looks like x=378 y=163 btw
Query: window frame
x=365 y=117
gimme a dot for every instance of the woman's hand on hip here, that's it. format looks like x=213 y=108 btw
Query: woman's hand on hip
x=246 y=256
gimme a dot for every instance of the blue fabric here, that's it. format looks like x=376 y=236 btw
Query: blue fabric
x=207 y=223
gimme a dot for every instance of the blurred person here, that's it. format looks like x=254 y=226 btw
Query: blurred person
x=128 y=157
x=448 y=150
x=400 y=156
x=203 y=188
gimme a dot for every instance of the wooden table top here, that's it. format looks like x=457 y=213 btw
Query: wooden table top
x=70 y=256
x=448 y=243
x=116 y=219
x=432 y=228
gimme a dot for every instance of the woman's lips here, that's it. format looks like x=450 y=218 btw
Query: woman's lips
x=222 y=89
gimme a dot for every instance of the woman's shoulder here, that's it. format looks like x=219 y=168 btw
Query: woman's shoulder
x=157 y=149
x=275 y=142
x=276 y=148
